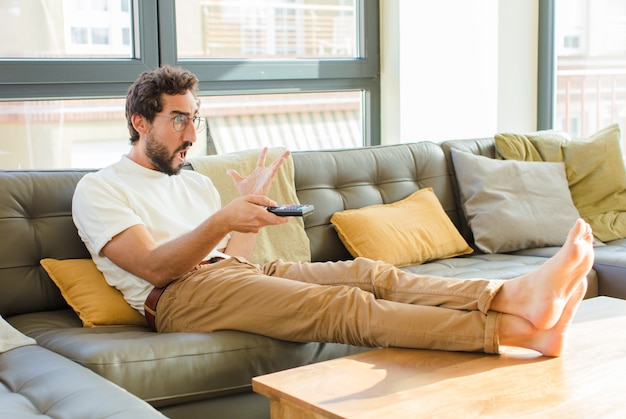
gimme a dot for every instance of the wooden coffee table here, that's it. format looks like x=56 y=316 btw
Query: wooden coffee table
x=589 y=380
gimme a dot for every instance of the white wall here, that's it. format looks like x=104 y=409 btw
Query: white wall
x=517 y=65
x=457 y=68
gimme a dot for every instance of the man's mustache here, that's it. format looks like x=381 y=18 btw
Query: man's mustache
x=184 y=146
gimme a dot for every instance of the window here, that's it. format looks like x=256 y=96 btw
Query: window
x=586 y=53
x=262 y=29
x=298 y=73
x=62 y=30
x=78 y=36
x=571 y=44
x=62 y=133
x=298 y=121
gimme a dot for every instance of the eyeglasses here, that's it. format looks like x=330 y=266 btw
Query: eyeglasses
x=180 y=122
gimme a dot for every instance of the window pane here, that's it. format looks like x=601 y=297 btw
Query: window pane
x=299 y=121
x=266 y=29
x=67 y=134
x=591 y=65
x=62 y=134
x=65 y=29
x=100 y=36
x=92 y=133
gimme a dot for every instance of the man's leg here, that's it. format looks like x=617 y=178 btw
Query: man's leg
x=515 y=331
x=538 y=306
x=387 y=282
x=541 y=296
x=235 y=295
x=248 y=300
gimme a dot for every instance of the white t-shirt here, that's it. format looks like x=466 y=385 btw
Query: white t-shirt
x=125 y=194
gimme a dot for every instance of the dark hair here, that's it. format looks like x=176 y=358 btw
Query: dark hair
x=144 y=95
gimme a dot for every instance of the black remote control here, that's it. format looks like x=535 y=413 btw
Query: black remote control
x=292 y=210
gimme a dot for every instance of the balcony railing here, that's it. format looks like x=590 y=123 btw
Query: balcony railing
x=591 y=98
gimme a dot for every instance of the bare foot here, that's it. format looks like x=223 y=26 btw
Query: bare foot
x=541 y=296
x=518 y=332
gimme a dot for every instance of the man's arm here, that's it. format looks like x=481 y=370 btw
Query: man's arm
x=241 y=244
x=135 y=251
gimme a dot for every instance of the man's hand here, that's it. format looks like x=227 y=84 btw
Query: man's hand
x=260 y=180
x=248 y=214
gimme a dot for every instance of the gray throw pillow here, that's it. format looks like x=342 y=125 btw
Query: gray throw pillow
x=512 y=205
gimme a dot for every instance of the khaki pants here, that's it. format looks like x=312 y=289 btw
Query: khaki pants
x=360 y=302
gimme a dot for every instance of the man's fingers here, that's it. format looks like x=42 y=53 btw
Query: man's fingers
x=260 y=200
x=235 y=175
x=262 y=156
x=279 y=161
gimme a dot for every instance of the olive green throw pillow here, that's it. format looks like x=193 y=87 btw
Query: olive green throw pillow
x=595 y=173
x=413 y=230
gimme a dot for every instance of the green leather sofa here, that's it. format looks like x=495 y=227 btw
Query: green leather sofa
x=209 y=375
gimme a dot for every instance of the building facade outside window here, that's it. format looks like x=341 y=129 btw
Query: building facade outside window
x=589 y=47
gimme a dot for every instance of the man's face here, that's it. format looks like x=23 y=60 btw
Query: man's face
x=168 y=138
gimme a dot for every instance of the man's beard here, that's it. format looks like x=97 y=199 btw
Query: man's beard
x=161 y=158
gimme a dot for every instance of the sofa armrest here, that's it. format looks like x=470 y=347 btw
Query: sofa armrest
x=36 y=381
x=611 y=269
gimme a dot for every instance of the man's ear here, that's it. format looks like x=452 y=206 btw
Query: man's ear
x=140 y=123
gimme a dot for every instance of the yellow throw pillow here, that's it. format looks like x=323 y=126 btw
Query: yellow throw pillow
x=595 y=173
x=84 y=288
x=411 y=231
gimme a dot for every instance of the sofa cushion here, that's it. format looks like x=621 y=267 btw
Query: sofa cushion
x=171 y=368
x=487 y=266
x=413 y=230
x=512 y=205
x=84 y=288
x=495 y=266
x=595 y=172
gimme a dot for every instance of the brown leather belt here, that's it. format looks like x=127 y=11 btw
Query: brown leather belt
x=153 y=298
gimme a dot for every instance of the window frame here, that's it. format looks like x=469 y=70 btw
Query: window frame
x=546 y=66
x=37 y=79
x=154 y=27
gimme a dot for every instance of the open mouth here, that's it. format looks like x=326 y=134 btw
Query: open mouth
x=182 y=152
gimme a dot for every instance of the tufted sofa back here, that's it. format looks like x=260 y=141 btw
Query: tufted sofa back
x=35 y=222
x=35 y=208
x=336 y=180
